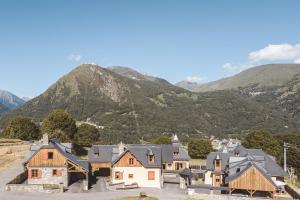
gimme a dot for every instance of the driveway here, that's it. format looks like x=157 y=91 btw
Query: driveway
x=100 y=185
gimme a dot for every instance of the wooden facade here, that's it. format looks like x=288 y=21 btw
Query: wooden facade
x=97 y=165
x=126 y=161
x=252 y=180
x=40 y=159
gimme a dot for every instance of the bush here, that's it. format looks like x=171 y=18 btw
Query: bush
x=21 y=128
x=199 y=148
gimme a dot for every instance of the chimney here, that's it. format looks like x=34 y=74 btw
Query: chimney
x=121 y=147
x=45 y=139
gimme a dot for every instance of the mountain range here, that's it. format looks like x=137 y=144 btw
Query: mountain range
x=131 y=106
x=9 y=101
x=261 y=76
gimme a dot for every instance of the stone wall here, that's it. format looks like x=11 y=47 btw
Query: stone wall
x=30 y=188
x=48 y=178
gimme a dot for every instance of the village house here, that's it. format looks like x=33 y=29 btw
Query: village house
x=52 y=163
x=144 y=165
x=248 y=170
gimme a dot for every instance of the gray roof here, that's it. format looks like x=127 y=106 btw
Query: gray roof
x=102 y=153
x=229 y=161
x=213 y=155
x=162 y=153
x=248 y=165
x=140 y=153
x=64 y=151
x=182 y=155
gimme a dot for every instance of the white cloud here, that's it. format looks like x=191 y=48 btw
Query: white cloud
x=74 y=57
x=279 y=52
x=197 y=79
x=270 y=53
x=229 y=67
x=297 y=60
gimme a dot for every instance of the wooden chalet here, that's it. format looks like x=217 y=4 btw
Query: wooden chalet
x=53 y=163
x=244 y=170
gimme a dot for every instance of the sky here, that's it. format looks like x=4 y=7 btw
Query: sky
x=193 y=40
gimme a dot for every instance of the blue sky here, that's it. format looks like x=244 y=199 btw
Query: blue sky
x=200 y=40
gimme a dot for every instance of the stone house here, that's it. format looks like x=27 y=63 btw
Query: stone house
x=52 y=163
x=145 y=165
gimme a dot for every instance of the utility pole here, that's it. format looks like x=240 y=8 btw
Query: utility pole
x=285 y=146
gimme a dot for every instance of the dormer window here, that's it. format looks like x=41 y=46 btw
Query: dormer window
x=151 y=158
x=218 y=163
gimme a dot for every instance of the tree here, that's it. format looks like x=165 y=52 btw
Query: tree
x=293 y=151
x=86 y=135
x=163 y=140
x=199 y=148
x=22 y=128
x=59 y=120
x=265 y=141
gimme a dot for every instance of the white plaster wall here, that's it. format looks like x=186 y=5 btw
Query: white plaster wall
x=208 y=178
x=48 y=178
x=140 y=176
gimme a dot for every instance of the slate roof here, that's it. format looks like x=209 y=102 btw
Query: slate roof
x=162 y=153
x=54 y=143
x=230 y=161
x=140 y=153
x=182 y=155
x=250 y=164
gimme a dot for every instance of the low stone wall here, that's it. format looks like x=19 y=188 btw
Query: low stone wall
x=31 y=188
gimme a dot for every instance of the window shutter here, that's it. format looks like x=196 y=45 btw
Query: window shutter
x=121 y=175
x=151 y=175
x=40 y=173
x=59 y=172
x=29 y=174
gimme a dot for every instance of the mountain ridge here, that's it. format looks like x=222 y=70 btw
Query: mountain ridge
x=263 y=76
x=10 y=100
x=130 y=109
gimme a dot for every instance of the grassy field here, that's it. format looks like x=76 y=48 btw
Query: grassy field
x=11 y=151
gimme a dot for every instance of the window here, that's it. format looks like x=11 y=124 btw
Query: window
x=238 y=170
x=130 y=175
x=217 y=180
x=119 y=175
x=151 y=175
x=178 y=166
x=50 y=155
x=151 y=158
x=164 y=166
x=131 y=161
x=56 y=172
x=218 y=163
x=34 y=173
